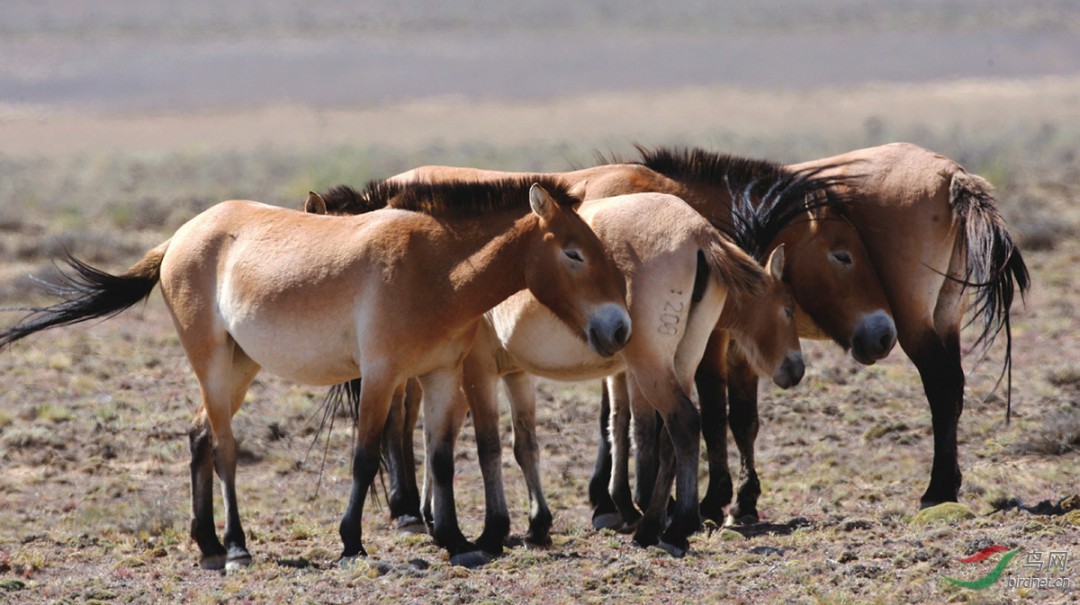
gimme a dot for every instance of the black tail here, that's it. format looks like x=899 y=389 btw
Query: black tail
x=89 y=293
x=995 y=268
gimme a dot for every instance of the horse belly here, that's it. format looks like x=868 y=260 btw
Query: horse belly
x=542 y=345
x=306 y=354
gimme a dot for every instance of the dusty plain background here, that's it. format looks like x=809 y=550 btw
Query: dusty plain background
x=119 y=121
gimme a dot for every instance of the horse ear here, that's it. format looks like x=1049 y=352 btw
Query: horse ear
x=578 y=190
x=775 y=264
x=542 y=204
x=315 y=203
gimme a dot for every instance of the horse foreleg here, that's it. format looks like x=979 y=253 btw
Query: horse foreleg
x=711 y=381
x=527 y=453
x=202 y=496
x=743 y=398
x=481 y=381
x=619 y=485
x=375 y=396
x=442 y=399
x=938 y=361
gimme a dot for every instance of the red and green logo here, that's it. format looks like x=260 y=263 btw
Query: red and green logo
x=995 y=573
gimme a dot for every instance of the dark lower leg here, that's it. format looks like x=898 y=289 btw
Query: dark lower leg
x=619 y=487
x=202 y=498
x=943 y=381
x=684 y=427
x=365 y=466
x=712 y=393
x=527 y=453
x=742 y=395
x=225 y=464
x=599 y=497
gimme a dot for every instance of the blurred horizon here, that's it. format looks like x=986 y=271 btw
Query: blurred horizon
x=112 y=56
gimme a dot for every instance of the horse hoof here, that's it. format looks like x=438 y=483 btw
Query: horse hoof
x=674 y=550
x=471 y=559
x=212 y=562
x=345 y=562
x=538 y=541
x=741 y=520
x=237 y=563
x=410 y=524
x=607 y=521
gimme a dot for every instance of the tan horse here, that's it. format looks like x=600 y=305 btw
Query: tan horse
x=680 y=273
x=935 y=237
x=835 y=286
x=387 y=295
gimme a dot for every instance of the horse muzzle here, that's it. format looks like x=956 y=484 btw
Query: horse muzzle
x=791 y=370
x=874 y=338
x=609 y=330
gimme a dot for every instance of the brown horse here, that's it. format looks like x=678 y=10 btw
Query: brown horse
x=836 y=290
x=388 y=295
x=935 y=236
x=682 y=274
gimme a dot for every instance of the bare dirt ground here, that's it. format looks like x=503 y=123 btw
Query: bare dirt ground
x=93 y=419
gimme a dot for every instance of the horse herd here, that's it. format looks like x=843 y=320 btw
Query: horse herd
x=679 y=273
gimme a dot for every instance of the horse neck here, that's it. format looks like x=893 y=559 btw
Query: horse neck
x=491 y=267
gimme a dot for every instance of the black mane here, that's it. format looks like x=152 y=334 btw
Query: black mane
x=454 y=198
x=766 y=197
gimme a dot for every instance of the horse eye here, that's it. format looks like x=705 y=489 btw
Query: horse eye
x=842 y=257
x=573 y=255
x=789 y=312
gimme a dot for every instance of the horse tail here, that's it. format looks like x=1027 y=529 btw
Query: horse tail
x=736 y=270
x=89 y=293
x=995 y=268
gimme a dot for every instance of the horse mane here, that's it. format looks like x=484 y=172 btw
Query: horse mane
x=766 y=197
x=456 y=198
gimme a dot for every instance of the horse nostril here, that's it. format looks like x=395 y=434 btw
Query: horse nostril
x=886 y=341
x=620 y=335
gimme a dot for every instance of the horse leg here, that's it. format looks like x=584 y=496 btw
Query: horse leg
x=619 y=486
x=410 y=493
x=442 y=398
x=202 y=496
x=404 y=510
x=646 y=430
x=683 y=427
x=481 y=381
x=527 y=453
x=224 y=374
x=376 y=394
x=711 y=381
x=938 y=361
x=743 y=398
x=604 y=513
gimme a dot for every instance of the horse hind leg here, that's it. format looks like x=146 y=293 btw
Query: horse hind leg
x=711 y=381
x=397 y=447
x=224 y=377
x=744 y=421
x=618 y=487
x=481 y=380
x=527 y=453
x=938 y=361
x=203 y=530
x=604 y=513
x=442 y=400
